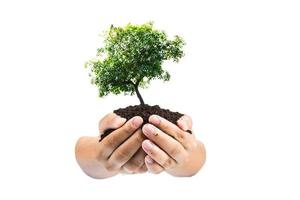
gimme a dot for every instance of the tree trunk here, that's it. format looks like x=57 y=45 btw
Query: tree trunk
x=138 y=94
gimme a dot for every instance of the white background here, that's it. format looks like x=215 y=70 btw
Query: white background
x=239 y=81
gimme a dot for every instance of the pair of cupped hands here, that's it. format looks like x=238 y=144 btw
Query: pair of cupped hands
x=136 y=148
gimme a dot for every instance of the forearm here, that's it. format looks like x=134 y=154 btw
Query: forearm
x=86 y=156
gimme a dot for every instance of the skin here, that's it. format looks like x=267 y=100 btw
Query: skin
x=170 y=148
x=135 y=149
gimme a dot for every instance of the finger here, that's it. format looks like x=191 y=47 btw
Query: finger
x=126 y=150
x=143 y=168
x=136 y=162
x=185 y=123
x=117 y=137
x=158 y=155
x=171 y=146
x=110 y=121
x=170 y=129
x=153 y=166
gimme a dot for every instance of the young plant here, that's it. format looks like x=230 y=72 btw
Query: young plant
x=131 y=57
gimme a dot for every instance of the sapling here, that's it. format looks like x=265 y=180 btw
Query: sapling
x=130 y=58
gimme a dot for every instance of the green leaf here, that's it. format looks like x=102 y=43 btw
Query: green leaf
x=132 y=54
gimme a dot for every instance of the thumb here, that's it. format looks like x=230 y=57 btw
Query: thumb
x=110 y=121
x=185 y=123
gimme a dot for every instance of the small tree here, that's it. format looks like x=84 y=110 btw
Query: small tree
x=132 y=56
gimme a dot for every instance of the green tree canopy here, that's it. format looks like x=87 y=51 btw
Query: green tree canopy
x=131 y=57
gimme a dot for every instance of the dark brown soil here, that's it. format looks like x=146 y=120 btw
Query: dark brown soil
x=144 y=111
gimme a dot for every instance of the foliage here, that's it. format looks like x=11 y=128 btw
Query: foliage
x=131 y=57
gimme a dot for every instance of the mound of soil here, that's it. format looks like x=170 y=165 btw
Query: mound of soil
x=144 y=111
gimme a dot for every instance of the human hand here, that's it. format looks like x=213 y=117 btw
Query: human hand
x=106 y=158
x=136 y=163
x=172 y=148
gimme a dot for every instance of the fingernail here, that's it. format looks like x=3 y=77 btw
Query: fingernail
x=155 y=119
x=122 y=120
x=148 y=160
x=183 y=125
x=147 y=145
x=148 y=129
x=137 y=121
x=118 y=121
